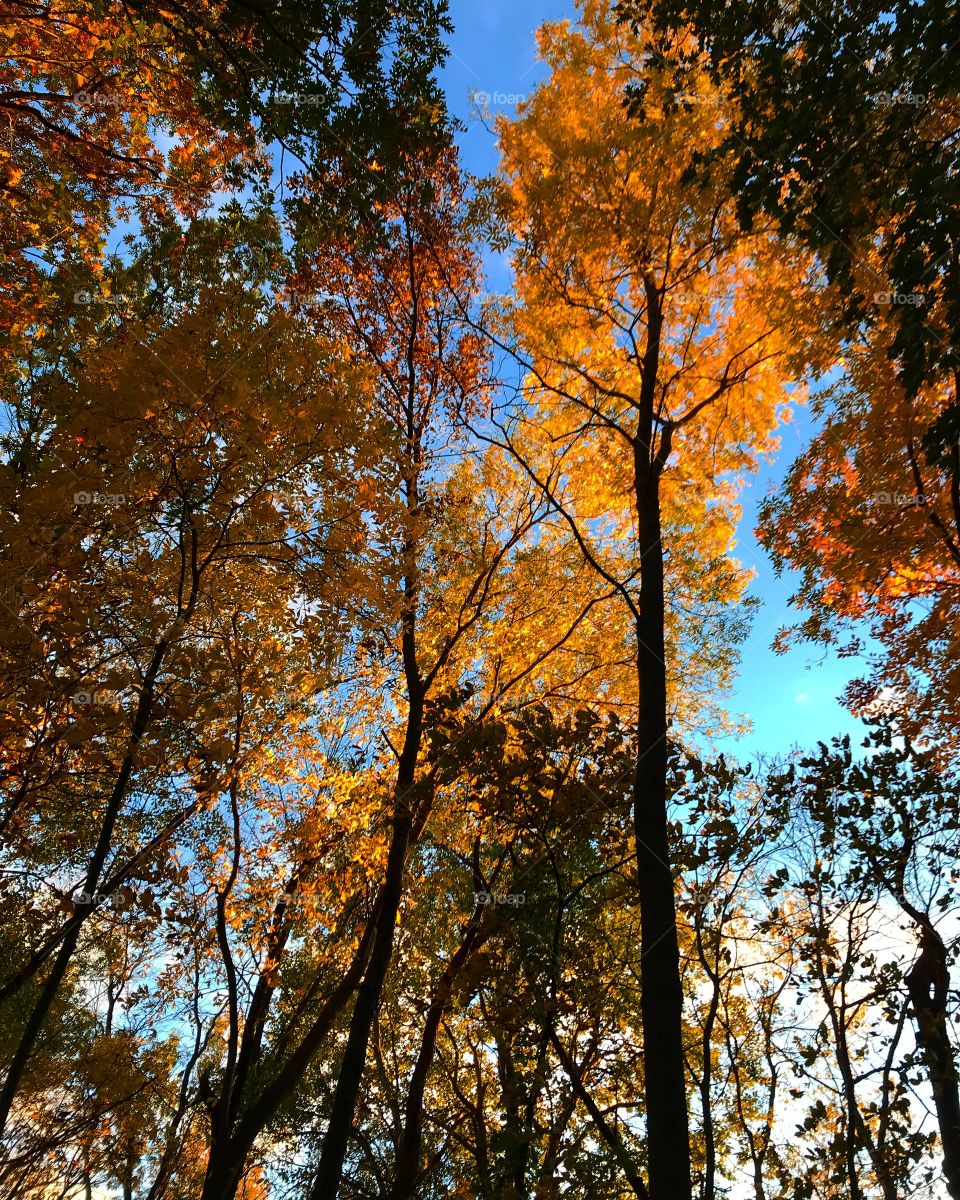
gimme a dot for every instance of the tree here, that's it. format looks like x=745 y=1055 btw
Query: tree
x=140 y=113
x=196 y=512
x=362 y=828
x=844 y=129
x=868 y=516
x=885 y=828
x=540 y=832
x=844 y=133
x=657 y=363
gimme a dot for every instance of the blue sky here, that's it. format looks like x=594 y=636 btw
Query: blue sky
x=790 y=699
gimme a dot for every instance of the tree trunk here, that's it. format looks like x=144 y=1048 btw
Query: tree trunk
x=603 y=1127
x=407 y=1169
x=61 y=964
x=227 y=1160
x=709 y=1189
x=928 y=983
x=336 y=1138
x=662 y=998
x=330 y=1172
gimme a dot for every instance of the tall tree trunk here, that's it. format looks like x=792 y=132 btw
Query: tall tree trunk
x=855 y=1133
x=333 y=1150
x=31 y=1031
x=95 y=866
x=712 y=970
x=928 y=983
x=227 y=1160
x=602 y=1125
x=661 y=1001
x=333 y=1153
x=407 y=1168
x=335 y=1141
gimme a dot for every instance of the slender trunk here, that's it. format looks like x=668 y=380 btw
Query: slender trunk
x=172 y=1138
x=662 y=998
x=95 y=867
x=334 y=1150
x=220 y=1110
x=852 y=1131
x=758 y=1143
x=34 y=1024
x=510 y=1124
x=255 y=1021
x=706 y=1078
x=547 y=1178
x=408 y=1153
x=850 y=1150
x=187 y=597
x=227 y=1160
x=540 y=1069
x=886 y=1115
x=527 y=1116
x=14 y=804
x=118 y=876
x=603 y=1127
x=928 y=983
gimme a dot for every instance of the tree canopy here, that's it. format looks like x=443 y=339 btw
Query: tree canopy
x=372 y=824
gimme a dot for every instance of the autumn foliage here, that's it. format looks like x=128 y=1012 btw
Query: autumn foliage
x=366 y=639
